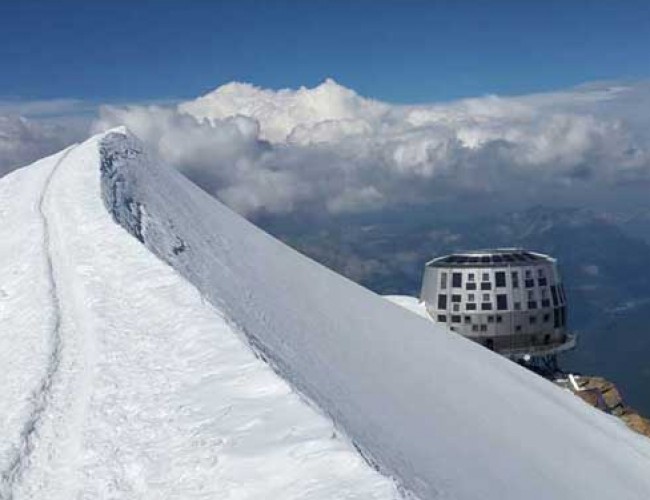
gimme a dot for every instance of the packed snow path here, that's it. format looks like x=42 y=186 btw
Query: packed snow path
x=119 y=381
x=42 y=394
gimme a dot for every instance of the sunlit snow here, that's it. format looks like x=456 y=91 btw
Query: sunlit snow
x=119 y=381
x=128 y=368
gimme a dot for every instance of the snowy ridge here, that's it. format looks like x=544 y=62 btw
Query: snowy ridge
x=443 y=415
x=42 y=393
x=154 y=394
x=148 y=392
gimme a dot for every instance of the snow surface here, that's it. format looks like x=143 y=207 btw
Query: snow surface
x=409 y=303
x=119 y=381
x=445 y=416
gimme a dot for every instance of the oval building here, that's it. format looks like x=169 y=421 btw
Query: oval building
x=510 y=300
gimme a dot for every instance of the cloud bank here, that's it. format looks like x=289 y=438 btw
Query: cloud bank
x=329 y=150
x=31 y=130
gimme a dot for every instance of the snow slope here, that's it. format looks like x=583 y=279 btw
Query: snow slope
x=409 y=303
x=445 y=416
x=119 y=381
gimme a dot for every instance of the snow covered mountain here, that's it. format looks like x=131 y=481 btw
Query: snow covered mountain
x=120 y=381
x=327 y=111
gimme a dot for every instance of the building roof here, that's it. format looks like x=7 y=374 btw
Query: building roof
x=495 y=257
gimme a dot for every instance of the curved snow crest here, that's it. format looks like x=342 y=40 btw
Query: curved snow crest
x=446 y=417
x=148 y=392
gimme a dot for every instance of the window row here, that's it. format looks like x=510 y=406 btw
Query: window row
x=559 y=319
x=499 y=280
x=442 y=318
x=533 y=300
x=486 y=305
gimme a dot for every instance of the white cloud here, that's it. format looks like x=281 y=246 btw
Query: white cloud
x=329 y=149
x=30 y=130
x=281 y=112
x=23 y=140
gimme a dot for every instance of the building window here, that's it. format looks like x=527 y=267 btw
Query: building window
x=470 y=297
x=529 y=283
x=443 y=281
x=475 y=328
x=547 y=318
x=442 y=301
x=540 y=273
x=470 y=277
x=442 y=318
x=518 y=328
x=529 y=274
x=486 y=285
x=452 y=328
x=470 y=286
x=455 y=307
x=500 y=279
x=486 y=297
x=456 y=280
x=490 y=319
x=468 y=320
x=455 y=318
x=499 y=318
x=455 y=298
x=486 y=306
x=484 y=328
x=517 y=306
x=542 y=282
x=531 y=295
x=515 y=279
x=470 y=307
x=532 y=304
x=532 y=320
x=502 y=302
x=485 y=277
x=546 y=303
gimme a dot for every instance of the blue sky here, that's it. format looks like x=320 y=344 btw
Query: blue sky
x=408 y=51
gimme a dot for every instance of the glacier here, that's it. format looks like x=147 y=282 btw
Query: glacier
x=157 y=345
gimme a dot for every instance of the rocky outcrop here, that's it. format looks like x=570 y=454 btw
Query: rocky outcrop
x=604 y=395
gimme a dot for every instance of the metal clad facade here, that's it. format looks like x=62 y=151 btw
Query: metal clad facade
x=508 y=300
